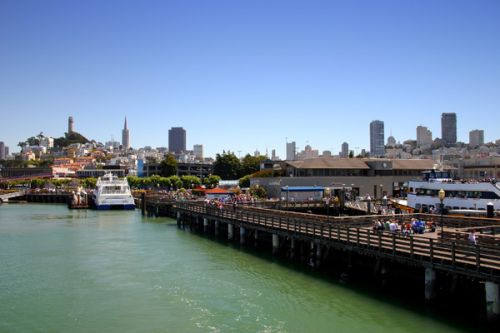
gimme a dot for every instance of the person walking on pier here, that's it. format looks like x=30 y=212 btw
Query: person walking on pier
x=472 y=237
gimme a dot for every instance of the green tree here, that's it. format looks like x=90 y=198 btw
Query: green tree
x=176 y=182
x=245 y=181
x=168 y=167
x=89 y=182
x=251 y=164
x=351 y=154
x=258 y=191
x=211 y=181
x=227 y=166
x=190 y=181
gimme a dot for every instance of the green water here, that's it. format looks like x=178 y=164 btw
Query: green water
x=88 y=271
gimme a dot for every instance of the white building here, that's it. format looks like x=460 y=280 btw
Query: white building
x=291 y=151
x=198 y=152
x=424 y=136
x=476 y=138
x=47 y=142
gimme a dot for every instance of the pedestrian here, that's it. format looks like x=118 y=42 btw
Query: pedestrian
x=472 y=237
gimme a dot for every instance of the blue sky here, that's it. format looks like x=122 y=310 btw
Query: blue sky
x=241 y=75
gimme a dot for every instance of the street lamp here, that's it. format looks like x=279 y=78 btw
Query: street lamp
x=441 y=195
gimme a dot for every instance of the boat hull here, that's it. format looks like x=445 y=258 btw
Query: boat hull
x=113 y=207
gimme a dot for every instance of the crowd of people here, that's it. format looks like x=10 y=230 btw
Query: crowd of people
x=414 y=226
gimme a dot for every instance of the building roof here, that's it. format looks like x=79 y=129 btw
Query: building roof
x=330 y=163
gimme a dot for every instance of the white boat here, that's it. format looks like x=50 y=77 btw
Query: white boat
x=459 y=195
x=112 y=193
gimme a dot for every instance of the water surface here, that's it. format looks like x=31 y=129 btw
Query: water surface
x=88 y=271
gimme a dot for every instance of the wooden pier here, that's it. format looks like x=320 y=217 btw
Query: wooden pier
x=445 y=253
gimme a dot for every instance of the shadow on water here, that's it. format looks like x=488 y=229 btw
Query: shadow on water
x=410 y=300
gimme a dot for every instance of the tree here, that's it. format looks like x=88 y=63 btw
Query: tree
x=245 y=181
x=258 y=191
x=175 y=181
x=251 y=164
x=211 y=181
x=190 y=181
x=351 y=154
x=227 y=166
x=168 y=167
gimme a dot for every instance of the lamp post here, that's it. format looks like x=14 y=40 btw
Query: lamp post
x=441 y=195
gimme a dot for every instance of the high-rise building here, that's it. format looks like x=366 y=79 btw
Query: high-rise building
x=198 y=152
x=377 y=148
x=424 y=136
x=125 y=136
x=345 y=150
x=176 y=140
x=449 y=128
x=290 y=151
x=476 y=138
x=273 y=155
x=2 y=150
x=6 y=149
x=70 y=125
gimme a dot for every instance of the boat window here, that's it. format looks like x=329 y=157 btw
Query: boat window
x=489 y=195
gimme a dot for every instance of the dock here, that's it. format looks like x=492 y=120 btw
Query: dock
x=442 y=257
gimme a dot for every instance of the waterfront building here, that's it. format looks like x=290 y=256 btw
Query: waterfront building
x=291 y=150
x=125 y=136
x=449 y=128
x=345 y=150
x=476 y=138
x=363 y=175
x=377 y=138
x=424 y=136
x=176 y=140
x=70 y=125
x=2 y=150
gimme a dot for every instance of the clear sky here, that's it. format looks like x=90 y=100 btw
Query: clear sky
x=242 y=75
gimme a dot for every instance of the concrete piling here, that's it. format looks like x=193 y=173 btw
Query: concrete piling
x=492 y=299
x=430 y=284
x=276 y=243
x=230 y=231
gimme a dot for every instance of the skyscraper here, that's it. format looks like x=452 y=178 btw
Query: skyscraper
x=345 y=149
x=2 y=150
x=476 y=138
x=70 y=125
x=449 y=128
x=377 y=138
x=198 y=152
x=424 y=136
x=176 y=140
x=125 y=136
x=290 y=151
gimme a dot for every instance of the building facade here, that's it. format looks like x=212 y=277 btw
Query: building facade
x=449 y=128
x=377 y=138
x=198 y=152
x=345 y=150
x=2 y=151
x=424 y=136
x=176 y=140
x=291 y=151
x=476 y=138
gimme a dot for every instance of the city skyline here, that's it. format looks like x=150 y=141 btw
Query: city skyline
x=225 y=68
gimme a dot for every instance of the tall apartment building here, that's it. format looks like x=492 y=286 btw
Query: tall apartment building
x=424 y=136
x=176 y=140
x=198 y=152
x=449 y=128
x=291 y=151
x=345 y=150
x=476 y=138
x=377 y=148
x=2 y=150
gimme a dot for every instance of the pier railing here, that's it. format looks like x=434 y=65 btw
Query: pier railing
x=480 y=260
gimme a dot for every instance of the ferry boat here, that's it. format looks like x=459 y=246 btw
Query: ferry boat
x=464 y=196
x=112 y=193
